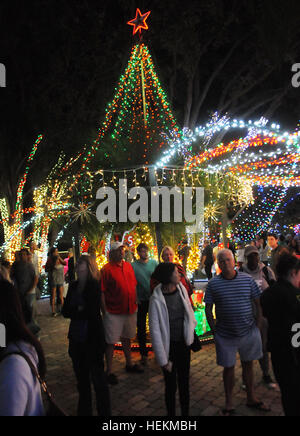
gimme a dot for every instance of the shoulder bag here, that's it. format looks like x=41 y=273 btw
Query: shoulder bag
x=53 y=409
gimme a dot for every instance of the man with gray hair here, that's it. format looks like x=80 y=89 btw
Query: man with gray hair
x=236 y=330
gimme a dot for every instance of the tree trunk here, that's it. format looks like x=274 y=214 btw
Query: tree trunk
x=53 y=237
x=224 y=221
x=173 y=76
x=208 y=85
x=153 y=182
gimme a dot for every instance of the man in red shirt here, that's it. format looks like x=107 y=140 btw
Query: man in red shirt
x=119 y=304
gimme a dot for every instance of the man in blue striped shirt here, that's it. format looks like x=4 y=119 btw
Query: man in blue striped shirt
x=236 y=329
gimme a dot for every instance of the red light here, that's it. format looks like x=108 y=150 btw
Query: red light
x=139 y=22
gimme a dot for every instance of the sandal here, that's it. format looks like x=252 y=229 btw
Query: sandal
x=259 y=406
x=226 y=412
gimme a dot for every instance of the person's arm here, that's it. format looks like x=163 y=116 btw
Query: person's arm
x=67 y=309
x=47 y=266
x=15 y=386
x=209 y=304
x=259 y=314
x=210 y=317
x=103 y=304
x=271 y=274
x=102 y=290
x=267 y=303
x=156 y=337
x=153 y=283
x=34 y=282
x=62 y=262
x=255 y=295
x=203 y=256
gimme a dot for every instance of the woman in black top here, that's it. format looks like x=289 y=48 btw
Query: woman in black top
x=281 y=307
x=86 y=337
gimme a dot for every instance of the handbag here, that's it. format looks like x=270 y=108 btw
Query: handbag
x=53 y=409
x=196 y=345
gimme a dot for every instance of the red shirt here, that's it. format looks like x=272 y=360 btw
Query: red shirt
x=118 y=283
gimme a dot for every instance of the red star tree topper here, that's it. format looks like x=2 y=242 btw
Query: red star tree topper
x=139 y=22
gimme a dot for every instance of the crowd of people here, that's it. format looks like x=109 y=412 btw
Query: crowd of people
x=255 y=292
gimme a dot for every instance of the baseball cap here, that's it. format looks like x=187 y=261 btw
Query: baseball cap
x=115 y=246
x=250 y=249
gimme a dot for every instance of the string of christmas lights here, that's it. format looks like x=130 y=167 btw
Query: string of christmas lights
x=204 y=135
x=13 y=232
x=257 y=218
x=24 y=178
x=284 y=160
x=127 y=116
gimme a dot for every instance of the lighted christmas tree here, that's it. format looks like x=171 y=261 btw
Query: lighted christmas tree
x=138 y=116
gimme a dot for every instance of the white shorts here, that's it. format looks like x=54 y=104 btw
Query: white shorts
x=249 y=348
x=119 y=326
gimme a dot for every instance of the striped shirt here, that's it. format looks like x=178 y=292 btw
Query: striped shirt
x=233 y=303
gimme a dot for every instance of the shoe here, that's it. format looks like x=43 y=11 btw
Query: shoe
x=134 y=368
x=269 y=382
x=54 y=315
x=243 y=387
x=259 y=406
x=227 y=412
x=112 y=379
x=59 y=309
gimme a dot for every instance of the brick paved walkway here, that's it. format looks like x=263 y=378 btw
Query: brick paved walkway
x=143 y=394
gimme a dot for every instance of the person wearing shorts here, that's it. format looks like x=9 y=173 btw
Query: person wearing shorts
x=236 y=329
x=119 y=304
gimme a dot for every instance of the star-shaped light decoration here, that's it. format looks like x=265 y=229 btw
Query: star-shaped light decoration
x=211 y=212
x=139 y=22
x=82 y=212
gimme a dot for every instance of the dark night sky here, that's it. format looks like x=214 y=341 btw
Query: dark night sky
x=64 y=58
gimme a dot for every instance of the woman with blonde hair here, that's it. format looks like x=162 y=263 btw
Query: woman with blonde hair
x=86 y=337
x=167 y=256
